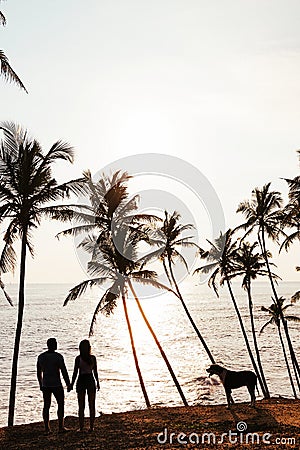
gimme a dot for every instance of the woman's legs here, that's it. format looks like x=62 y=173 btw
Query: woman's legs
x=81 y=406
x=92 y=401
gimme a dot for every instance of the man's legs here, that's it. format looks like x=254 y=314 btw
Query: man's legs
x=60 y=398
x=47 y=404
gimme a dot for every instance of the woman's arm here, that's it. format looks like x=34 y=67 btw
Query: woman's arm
x=96 y=372
x=75 y=372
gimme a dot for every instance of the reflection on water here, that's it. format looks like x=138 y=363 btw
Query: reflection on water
x=45 y=317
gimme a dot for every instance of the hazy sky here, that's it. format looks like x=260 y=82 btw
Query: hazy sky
x=213 y=82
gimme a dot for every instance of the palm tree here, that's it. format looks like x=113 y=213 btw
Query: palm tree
x=263 y=212
x=119 y=264
x=277 y=311
x=170 y=242
x=250 y=265
x=5 y=69
x=109 y=206
x=221 y=265
x=291 y=219
x=291 y=212
x=26 y=187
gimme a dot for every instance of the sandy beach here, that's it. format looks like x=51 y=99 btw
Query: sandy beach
x=273 y=423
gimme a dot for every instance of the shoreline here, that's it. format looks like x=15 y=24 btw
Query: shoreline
x=171 y=427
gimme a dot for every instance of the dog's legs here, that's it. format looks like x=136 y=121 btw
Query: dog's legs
x=229 y=397
x=251 y=390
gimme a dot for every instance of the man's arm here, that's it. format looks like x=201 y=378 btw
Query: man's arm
x=39 y=374
x=64 y=372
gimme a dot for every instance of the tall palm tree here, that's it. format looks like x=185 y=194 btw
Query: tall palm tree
x=250 y=264
x=277 y=311
x=264 y=212
x=291 y=212
x=171 y=240
x=27 y=186
x=221 y=265
x=5 y=68
x=119 y=264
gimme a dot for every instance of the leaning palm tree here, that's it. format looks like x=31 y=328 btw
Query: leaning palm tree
x=250 y=264
x=221 y=265
x=115 y=259
x=264 y=212
x=171 y=240
x=109 y=205
x=276 y=311
x=27 y=187
x=5 y=68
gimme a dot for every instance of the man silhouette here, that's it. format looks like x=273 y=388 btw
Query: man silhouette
x=49 y=366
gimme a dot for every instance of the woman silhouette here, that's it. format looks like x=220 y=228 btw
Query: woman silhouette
x=86 y=366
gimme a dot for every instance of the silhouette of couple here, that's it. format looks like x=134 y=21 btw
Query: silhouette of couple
x=49 y=366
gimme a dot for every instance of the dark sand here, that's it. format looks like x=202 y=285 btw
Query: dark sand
x=139 y=429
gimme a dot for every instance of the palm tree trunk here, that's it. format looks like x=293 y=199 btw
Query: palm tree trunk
x=294 y=364
x=159 y=346
x=262 y=243
x=189 y=315
x=267 y=393
x=286 y=361
x=21 y=303
x=296 y=375
x=246 y=337
x=134 y=353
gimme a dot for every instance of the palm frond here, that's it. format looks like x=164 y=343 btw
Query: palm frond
x=2 y=19
x=106 y=305
x=8 y=298
x=67 y=213
x=75 y=231
x=13 y=134
x=205 y=269
x=8 y=258
x=152 y=256
x=292 y=318
x=295 y=297
x=8 y=254
x=8 y=73
x=77 y=187
x=154 y=283
x=81 y=288
x=270 y=322
x=59 y=150
x=147 y=274
x=178 y=255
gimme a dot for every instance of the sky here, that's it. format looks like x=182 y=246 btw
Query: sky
x=215 y=83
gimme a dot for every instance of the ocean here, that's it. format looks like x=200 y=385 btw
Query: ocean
x=46 y=317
